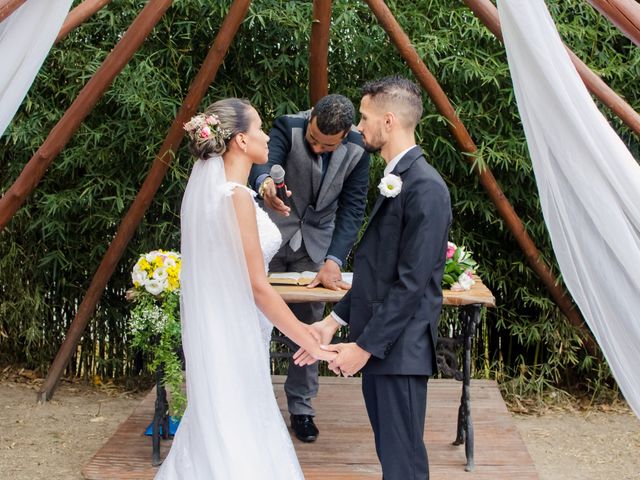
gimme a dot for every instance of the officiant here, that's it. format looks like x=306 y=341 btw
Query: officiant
x=327 y=173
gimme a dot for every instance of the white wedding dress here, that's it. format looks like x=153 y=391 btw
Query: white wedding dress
x=232 y=428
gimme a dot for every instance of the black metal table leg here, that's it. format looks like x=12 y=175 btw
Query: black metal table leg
x=471 y=314
x=160 y=416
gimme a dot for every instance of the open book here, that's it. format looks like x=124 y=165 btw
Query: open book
x=301 y=278
x=292 y=278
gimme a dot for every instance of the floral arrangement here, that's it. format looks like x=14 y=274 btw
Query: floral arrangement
x=458 y=268
x=203 y=127
x=390 y=185
x=155 y=319
x=157 y=272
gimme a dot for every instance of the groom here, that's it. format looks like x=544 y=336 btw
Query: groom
x=394 y=304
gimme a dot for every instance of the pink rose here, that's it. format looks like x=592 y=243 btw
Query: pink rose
x=205 y=132
x=451 y=249
x=212 y=120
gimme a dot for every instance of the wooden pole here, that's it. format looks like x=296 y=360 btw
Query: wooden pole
x=130 y=222
x=117 y=59
x=319 y=51
x=624 y=14
x=487 y=180
x=488 y=14
x=79 y=15
x=7 y=7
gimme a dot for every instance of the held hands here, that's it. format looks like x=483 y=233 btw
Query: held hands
x=330 y=277
x=350 y=359
x=271 y=200
x=319 y=351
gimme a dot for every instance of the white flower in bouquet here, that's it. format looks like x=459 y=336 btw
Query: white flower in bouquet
x=390 y=185
x=466 y=280
x=152 y=255
x=160 y=274
x=154 y=287
x=139 y=277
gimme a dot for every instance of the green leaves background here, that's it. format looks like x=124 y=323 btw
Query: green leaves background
x=52 y=247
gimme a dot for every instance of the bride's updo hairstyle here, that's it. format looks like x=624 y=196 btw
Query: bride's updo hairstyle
x=210 y=132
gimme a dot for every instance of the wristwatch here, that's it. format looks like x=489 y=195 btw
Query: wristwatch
x=263 y=185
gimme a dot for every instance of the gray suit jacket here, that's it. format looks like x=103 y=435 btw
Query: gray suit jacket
x=328 y=211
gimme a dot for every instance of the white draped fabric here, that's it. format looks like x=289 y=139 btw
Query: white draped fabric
x=26 y=37
x=589 y=185
x=232 y=428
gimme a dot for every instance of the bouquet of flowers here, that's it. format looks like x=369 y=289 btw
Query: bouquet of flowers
x=458 y=269
x=155 y=318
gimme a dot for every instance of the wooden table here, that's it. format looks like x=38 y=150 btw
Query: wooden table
x=478 y=295
x=470 y=304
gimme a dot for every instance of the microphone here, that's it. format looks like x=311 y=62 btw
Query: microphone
x=277 y=173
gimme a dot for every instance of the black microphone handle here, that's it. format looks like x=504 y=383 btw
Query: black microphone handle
x=281 y=192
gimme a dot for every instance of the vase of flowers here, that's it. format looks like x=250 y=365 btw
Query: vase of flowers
x=155 y=319
x=458 y=268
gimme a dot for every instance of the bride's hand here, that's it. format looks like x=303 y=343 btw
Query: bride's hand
x=302 y=357
x=326 y=355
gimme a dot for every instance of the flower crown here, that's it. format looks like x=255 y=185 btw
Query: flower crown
x=203 y=127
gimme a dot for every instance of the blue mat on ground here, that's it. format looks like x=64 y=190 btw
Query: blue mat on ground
x=173 y=426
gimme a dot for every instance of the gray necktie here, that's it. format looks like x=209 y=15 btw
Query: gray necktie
x=296 y=240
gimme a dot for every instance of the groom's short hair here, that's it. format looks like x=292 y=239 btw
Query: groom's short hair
x=398 y=95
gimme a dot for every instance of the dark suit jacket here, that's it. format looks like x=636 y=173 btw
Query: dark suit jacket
x=328 y=211
x=395 y=301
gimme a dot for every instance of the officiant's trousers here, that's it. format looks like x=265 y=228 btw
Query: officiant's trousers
x=397 y=406
x=301 y=385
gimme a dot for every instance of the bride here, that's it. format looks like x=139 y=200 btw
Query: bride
x=232 y=427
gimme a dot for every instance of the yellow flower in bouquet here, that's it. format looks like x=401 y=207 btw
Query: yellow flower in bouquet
x=157 y=272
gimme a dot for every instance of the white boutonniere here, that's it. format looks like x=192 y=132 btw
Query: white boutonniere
x=390 y=185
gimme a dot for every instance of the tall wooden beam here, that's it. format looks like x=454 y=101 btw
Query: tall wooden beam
x=79 y=15
x=624 y=14
x=488 y=14
x=319 y=51
x=402 y=42
x=7 y=7
x=117 y=59
x=130 y=222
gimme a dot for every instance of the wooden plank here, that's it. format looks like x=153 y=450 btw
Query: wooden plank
x=478 y=294
x=344 y=449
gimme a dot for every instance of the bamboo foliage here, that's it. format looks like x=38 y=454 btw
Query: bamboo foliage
x=52 y=246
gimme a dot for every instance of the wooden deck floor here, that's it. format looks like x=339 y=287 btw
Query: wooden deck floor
x=344 y=450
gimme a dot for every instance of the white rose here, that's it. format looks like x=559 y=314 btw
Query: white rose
x=154 y=287
x=139 y=276
x=160 y=274
x=465 y=281
x=151 y=256
x=390 y=185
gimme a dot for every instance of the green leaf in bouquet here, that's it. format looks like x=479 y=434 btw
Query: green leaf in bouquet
x=448 y=279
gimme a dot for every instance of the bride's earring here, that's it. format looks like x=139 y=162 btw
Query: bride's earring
x=245 y=149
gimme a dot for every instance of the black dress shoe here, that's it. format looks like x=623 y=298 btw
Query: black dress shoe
x=304 y=428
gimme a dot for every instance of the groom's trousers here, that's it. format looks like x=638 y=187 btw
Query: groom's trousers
x=397 y=406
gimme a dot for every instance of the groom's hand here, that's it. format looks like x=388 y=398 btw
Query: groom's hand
x=350 y=360
x=323 y=331
x=330 y=277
